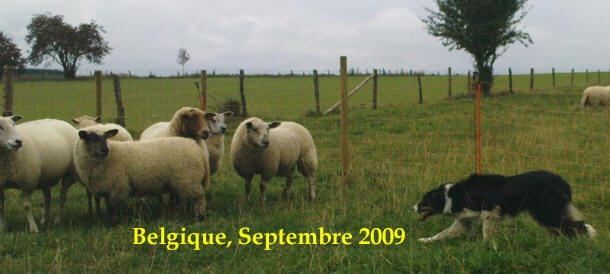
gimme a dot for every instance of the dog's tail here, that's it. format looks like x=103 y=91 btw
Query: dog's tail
x=573 y=223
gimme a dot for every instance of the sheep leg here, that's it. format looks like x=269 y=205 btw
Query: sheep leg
x=27 y=206
x=248 y=182
x=89 y=203
x=66 y=182
x=46 y=205
x=98 y=205
x=262 y=189
x=312 y=187
x=2 y=218
x=287 y=187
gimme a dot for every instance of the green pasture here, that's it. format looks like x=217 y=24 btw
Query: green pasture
x=398 y=152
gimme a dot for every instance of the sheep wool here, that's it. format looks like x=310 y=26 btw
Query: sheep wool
x=116 y=170
x=87 y=121
x=595 y=96
x=35 y=155
x=273 y=149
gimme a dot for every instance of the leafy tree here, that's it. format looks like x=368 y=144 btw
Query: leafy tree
x=183 y=57
x=52 y=38
x=10 y=54
x=483 y=28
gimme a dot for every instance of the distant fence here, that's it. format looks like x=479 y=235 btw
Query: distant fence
x=500 y=134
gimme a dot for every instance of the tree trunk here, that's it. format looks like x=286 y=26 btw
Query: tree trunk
x=486 y=78
x=70 y=72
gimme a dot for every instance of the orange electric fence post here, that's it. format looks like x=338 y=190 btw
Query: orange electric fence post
x=478 y=141
x=98 y=93
x=204 y=90
x=344 y=123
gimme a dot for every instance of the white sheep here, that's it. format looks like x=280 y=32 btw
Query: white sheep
x=215 y=141
x=117 y=170
x=35 y=155
x=188 y=122
x=255 y=149
x=595 y=96
x=87 y=121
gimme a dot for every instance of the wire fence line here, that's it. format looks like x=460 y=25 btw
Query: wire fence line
x=403 y=140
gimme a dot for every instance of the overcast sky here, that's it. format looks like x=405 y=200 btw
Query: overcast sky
x=280 y=35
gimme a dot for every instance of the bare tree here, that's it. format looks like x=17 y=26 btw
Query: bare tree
x=183 y=57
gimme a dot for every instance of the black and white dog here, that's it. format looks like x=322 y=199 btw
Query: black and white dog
x=544 y=195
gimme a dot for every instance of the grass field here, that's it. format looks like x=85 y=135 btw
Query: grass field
x=398 y=152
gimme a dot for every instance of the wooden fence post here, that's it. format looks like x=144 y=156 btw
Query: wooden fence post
x=345 y=157
x=510 y=81
x=241 y=92
x=98 y=93
x=204 y=90
x=572 y=78
x=421 y=96
x=469 y=88
x=532 y=79
x=553 y=72
x=586 y=77
x=374 y=88
x=478 y=139
x=119 y=100
x=8 y=91
x=316 y=89
x=449 y=95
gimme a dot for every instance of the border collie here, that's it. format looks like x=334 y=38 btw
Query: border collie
x=544 y=195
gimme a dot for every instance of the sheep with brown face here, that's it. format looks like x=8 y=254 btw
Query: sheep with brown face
x=118 y=170
x=273 y=149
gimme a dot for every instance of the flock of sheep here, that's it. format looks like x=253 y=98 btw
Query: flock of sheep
x=176 y=157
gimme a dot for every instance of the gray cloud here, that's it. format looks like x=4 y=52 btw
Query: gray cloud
x=280 y=35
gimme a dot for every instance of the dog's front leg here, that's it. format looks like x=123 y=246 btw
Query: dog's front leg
x=455 y=230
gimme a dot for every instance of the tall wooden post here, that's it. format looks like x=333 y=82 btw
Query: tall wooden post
x=316 y=89
x=468 y=85
x=553 y=72
x=98 y=93
x=374 y=88
x=204 y=90
x=599 y=77
x=532 y=79
x=345 y=157
x=449 y=95
x=572 y=78
x=478 y=140
x=510 y=81
x=119 y=100
x=586 y=77
x=244 y=110
x=421 y=96
x=8 y=91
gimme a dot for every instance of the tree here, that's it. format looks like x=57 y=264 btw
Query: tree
x=183 y=57
x=53 y=39
x=10 y=54
x=483 y=28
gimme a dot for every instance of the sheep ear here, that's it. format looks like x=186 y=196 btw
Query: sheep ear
x=249 y=125
x=75 y=120
x=16 y=118
x=274 y=124
x=209 y=115
x=205 y=134
x=98 y=119
x=228 y=114
x=111 y=133
x=184 y=116
x=82 y=134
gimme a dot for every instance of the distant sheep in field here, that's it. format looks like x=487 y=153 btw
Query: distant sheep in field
x=118 y=170
x=273 y=149
x=215 y=141
x=595 y=96
x=35 y=155
x=87 y=121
